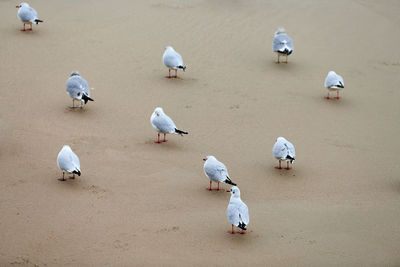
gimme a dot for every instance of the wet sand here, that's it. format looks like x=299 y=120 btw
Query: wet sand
x=139 y=203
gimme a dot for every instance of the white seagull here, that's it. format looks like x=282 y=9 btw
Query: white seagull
x=282 y=44
x=334 y=82
x=237 y=211
x=173 y=61
x=78 y=89
x=284 y=150
x=163 y=124
x=216 y=171
x=68 y=162
x=27 y=15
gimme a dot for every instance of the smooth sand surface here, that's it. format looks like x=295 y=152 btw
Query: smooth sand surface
x=139 y=203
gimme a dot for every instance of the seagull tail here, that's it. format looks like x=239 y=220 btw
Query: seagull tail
x=86 y=98
x=77 y=172
x=38 y=20
x=228 y=181
x=340 y=85
x=182 y=67
x=242 y=226
x=180 y=132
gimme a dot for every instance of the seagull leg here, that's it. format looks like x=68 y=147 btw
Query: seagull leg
x=73 y=176
x=165 y=140
x=209 y=188
x=232 y=232
x=286 y=59
x=158 y=139
x=337 y=94
x=279 y=167
x=62 y=179
x=31 y=26
x=278 y=58
x=287 y=165
x=242 y=232
x=169 y=73
x=217 y=187
x=328 y=96
x=23 y=28
x=176 y=74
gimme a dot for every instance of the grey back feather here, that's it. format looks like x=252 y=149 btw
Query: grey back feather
x=76 y=86
x=281 y=41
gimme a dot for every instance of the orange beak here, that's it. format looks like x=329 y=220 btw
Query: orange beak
x=204 y=159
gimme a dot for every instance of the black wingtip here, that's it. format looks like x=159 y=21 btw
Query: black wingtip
x=77 y=173
x=38 y=20
x=228 y=181
x=291 y=159
x=242 y=226
x=182 y=67
x=180 y=132
x=86 y=98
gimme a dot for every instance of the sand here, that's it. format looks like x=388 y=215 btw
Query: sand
x=143 y=204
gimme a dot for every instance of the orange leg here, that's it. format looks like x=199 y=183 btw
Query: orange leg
x=279 y=166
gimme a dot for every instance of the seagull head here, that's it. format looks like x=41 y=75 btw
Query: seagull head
x=280 y=139
x=74 y=73
x=279 y=31
x=22 y=4
x=208 y=157
x=158 y=111
x=235 y=192
x=332 y=72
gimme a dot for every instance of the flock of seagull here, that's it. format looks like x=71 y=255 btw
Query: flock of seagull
x=237 y=212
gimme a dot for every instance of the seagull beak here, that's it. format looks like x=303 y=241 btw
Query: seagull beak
x=204 y=159
x=17 y=6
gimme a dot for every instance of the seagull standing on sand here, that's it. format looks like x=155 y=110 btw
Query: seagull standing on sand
x=282 y=44
x=284 y=150
x=163 y=124
x=237 y=211
x=216 y=171
x=173 y=61
x=78 y=89
x=68 y=162
x=334 y=82
x=27 y=15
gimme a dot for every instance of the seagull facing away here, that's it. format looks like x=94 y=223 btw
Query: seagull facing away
x=173 y=61
x=334 y=82
x=282 y=44
x=78 y=89
x=284 y=150
x=68 y=162
x=27 y=15
x=237 y=212
x=163 y=124
x=216 y=171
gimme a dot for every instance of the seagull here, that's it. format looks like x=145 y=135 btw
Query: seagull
x=163 y=124
x=68 y=162
x=282 y=44
x=27 y=15
x=216 y=171
x=173 y=61
x=283 y=150
x=334 y=82
x=237 y=212
x=78 y=89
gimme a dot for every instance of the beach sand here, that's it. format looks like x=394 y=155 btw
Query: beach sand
x=140 y=203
